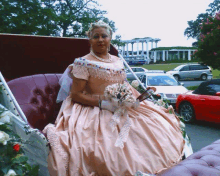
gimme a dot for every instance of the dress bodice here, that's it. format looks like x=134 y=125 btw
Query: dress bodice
x=98 y=74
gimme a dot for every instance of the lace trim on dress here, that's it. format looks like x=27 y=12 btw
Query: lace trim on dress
x=82 y=68
x=55 y=144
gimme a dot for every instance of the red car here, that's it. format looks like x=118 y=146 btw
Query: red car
x=201 y=104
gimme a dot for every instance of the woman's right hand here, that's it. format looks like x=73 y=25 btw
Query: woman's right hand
x=109 y=105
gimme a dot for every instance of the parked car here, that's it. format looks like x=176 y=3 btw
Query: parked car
x=140 y=71
x=137 y=70
x=201 y=104
x=166 y=86
x=139 y=61
x=192 y=71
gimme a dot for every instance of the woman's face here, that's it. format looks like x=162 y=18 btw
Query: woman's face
x=100 y=40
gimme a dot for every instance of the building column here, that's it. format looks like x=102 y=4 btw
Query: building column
x=127 y=49
x=147 y=50
x=167 y=55
x=132 y=50
x=183 y=55
x=123 y=51
x=142 y=53
x=151 y=44
x=189 y=55
x=155 y=56
x=137 y=48
x=178 y=55
x=163 y=55
x=155 y=44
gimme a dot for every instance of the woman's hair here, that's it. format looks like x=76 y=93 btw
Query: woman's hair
x=98 y=25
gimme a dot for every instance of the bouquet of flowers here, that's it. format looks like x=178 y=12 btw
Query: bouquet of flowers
x=120 y=94
x=12 y=158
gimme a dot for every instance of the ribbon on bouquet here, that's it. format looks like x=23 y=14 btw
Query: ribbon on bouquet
x=123 y=135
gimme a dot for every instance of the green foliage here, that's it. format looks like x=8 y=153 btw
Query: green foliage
x=117 y=41
x=12 y=158
x=192 y=87
x=209 y=42
x=170 y=48
x=68 y=18
x=193 y=30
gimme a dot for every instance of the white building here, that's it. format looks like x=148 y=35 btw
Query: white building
x=138 y=48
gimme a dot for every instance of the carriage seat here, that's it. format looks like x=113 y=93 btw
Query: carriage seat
x=36 y=95
x=205 y=162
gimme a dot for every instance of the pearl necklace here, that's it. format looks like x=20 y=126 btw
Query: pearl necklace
x=99 y=58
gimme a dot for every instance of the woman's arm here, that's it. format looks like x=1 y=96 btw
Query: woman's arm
x=77 y=95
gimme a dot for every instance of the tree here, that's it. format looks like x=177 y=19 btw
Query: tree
x=209 y=42
x=117 y=41
x=50 y=17
x=74 y=16
x=193 y=30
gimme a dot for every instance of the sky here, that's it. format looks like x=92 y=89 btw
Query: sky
x=163 y=19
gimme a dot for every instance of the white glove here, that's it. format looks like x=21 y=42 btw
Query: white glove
x=109 y=105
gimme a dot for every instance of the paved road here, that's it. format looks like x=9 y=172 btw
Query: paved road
x=191 y=83
x=202 y=134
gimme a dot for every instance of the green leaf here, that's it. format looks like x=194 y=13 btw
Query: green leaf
x=20 y=159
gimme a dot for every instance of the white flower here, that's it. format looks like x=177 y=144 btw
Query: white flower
x=5 y=117
x=4 y=137
x=160 y=102
x=182 y=125
x=135 y=83
x=11 y=173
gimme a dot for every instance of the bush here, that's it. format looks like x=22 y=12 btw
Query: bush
x=209 y=42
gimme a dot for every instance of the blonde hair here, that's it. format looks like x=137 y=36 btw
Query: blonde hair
x=99 y=24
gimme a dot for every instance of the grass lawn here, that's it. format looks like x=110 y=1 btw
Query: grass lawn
x=167 y=67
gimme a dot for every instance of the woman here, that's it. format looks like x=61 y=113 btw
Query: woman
x=82 y=141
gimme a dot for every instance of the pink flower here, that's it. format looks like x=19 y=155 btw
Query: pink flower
x=207 y=20
x=208 y=33
x=215 y=53
x=202 y=40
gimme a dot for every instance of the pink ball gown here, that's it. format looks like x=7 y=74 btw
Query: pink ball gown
x=83 y=143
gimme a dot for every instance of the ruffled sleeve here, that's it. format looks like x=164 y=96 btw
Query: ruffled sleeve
x=79 y=70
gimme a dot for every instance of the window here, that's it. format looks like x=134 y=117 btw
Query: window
x=212 y=89
x=143 y=80
x=204 y=67
x=133 y=69
x=185 y=68
x=139 y=70
x=195 y=67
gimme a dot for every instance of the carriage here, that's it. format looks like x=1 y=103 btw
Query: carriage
x=31 y=67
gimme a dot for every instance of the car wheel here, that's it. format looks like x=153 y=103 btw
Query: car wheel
x=177 y=77
x=203 y=77
x=186 y=111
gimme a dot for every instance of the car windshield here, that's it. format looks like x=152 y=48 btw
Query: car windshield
x=161 y=80
x=178 y=68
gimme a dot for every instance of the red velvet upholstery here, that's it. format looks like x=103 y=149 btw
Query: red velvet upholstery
x=205 y=162
x=36 y=96
x=24 y=55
